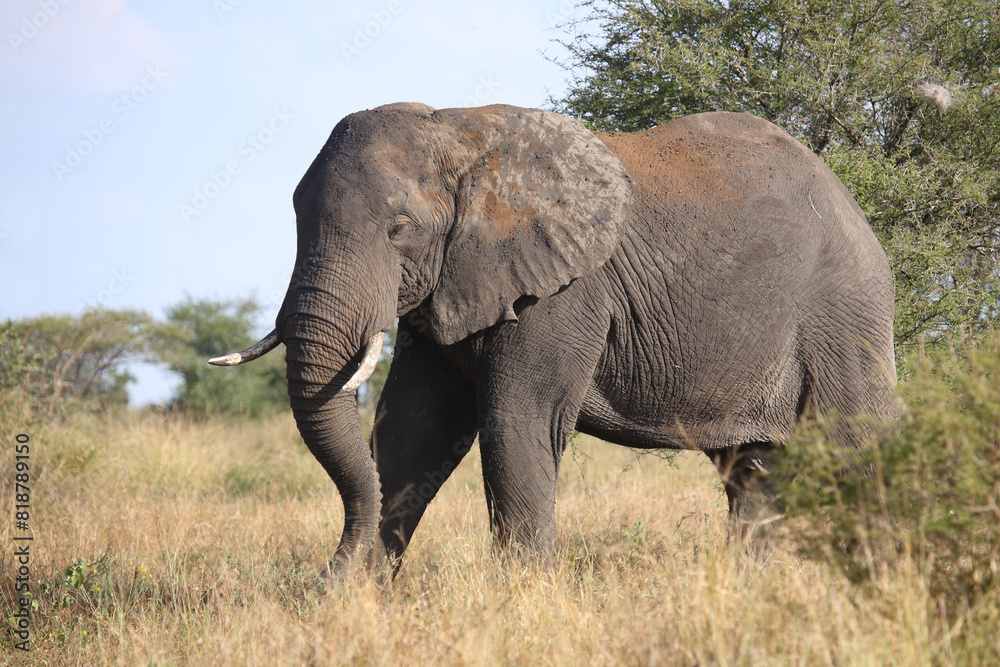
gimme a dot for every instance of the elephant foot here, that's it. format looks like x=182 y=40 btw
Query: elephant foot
x=754 y=524
x=332 y=579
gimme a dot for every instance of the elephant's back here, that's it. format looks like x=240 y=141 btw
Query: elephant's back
x=726 y=184
x=720 y=159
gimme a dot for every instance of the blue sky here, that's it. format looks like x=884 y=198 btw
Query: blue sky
x=150 y=149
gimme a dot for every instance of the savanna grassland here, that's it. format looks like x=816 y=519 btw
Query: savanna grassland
x=159 y=539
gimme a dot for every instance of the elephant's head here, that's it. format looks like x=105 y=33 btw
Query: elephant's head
x=461 y=211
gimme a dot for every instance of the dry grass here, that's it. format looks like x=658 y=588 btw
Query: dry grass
x=201 y=544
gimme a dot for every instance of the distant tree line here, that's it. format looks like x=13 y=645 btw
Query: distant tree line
x=54 y=364
x=901 y=98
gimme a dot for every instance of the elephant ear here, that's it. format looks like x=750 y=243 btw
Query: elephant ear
x=541 y=204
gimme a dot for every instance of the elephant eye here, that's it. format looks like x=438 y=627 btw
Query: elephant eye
x=402 y=222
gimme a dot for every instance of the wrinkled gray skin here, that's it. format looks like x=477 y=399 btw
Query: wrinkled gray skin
x=699 y=285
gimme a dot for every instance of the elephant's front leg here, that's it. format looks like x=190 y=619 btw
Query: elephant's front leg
x=520 y=467
x=424 y=426
x=531 y=388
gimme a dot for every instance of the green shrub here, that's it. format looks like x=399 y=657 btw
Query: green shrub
x=925 y=495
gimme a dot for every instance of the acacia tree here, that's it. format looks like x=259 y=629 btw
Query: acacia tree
x=198 y=329
x=59 y=362
x=899 y=97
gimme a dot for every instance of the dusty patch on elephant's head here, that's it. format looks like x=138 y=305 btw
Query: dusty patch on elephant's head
x=506 y=208
x=480 y=126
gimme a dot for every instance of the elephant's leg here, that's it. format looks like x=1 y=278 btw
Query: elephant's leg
x=425 y=424
x=530 y=394
x=745 y=474
x=520 y=467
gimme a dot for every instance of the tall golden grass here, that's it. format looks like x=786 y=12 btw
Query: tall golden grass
x=161 y=540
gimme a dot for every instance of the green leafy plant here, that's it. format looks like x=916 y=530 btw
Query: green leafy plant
x=637 y=535
x=925 y=493
x=76 y=574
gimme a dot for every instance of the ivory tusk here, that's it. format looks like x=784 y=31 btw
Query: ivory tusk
x=266 y=344
x=372 y=351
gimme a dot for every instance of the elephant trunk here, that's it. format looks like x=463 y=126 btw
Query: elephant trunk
x=321 y=387
x=325 y=411
x=332 y=323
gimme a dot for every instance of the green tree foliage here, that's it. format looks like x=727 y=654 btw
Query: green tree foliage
x=197 y=330
x=57 y=362
x=899 y=97
x=19 y=369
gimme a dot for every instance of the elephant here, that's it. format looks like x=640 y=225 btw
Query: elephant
x=703 y=285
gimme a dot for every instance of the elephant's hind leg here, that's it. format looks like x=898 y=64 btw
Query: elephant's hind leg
x=745 y=471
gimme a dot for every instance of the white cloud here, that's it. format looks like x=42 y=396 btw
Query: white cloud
x=88 y=45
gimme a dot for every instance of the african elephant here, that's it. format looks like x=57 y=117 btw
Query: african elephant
x=700 y=285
